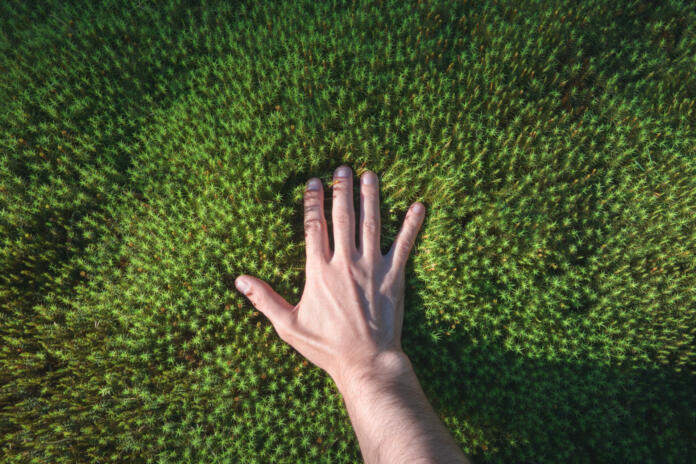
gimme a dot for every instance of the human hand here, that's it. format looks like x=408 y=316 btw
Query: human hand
x=351 y=310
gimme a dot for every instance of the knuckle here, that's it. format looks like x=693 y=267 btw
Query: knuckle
x=370 y=193
x=342 y=218
x=311 y=210
x=339 y=188
x=312 y=225
x=312 y=196
x=404 y=246
x=370 y=225
x=256 y=298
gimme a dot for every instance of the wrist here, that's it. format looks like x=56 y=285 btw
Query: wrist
x=385 y=368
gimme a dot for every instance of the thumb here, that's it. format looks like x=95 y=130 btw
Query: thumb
x=265 y=299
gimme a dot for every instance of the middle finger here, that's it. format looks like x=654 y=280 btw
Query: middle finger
x=343 y=212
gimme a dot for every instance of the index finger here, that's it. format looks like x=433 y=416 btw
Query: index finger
x=316 y=230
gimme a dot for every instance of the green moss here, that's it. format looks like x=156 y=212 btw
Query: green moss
x=150 y=154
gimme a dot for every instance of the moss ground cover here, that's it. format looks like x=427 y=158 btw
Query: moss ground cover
x=152 y=152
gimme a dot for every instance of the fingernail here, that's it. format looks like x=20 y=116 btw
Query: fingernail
x=343 y=171
x=418 y=208
x=314 y=184
x=369 y=178
x=242 y=284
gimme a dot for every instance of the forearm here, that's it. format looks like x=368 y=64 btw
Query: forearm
x=392 y=418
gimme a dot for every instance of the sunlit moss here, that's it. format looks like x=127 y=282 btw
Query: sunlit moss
x=150 y=154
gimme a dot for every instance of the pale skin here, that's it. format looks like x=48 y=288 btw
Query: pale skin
x=348 y=322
